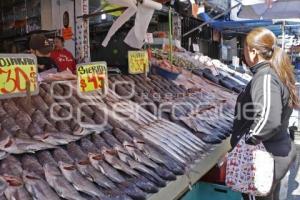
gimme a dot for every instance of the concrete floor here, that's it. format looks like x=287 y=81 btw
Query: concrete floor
x=294 y=177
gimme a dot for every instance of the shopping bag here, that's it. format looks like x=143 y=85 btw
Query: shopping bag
x=250 y=169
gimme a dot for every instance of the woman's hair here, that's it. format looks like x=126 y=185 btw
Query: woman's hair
x=60 y=38
x=264 y=41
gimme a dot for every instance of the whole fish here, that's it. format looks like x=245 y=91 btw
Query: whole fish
x=156 y=156
x=10 y=107
x=85 y=168
x=11 y=166
x=98 y=162
x=15 y=189
x=99 y=141
x=56 y=138
x=37 y=187
x=3 y=185
x=45 y=157
x=140 y=157
x=8 y=123
x=23 y=120
x=78 y=181
x=122 y=153
x=60 y=154
x=148 y=151
x=111 y=140
x=132 y=191
x=22 y=145
x=31 y=164
x=58 y=182
x=3 y=155
x=110 y=157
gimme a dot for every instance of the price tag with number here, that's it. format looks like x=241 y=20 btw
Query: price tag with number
x=138 y=62
x=18 y=75
x=92 y=77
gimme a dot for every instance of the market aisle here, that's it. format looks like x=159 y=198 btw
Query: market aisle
x=294 y=180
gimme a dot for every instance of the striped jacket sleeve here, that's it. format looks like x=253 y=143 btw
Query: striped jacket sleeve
x=267 y=102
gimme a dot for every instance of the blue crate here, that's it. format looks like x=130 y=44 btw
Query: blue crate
x=208 y=191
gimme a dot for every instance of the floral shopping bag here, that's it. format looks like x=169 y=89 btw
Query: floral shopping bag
x=250 y=169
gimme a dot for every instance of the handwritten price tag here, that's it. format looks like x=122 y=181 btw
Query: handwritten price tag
x=138 y=62
x=18 y=75
x=92 y=77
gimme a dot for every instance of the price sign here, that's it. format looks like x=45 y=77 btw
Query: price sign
x=196 y=47
x=18 y=75
x=138 y=62
x=149 y=38
x=92 y=77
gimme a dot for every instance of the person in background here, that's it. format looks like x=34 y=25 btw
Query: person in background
x=62 y=57
x=264 y=108
x=40 y=46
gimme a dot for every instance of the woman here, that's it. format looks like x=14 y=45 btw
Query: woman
x=263 y=109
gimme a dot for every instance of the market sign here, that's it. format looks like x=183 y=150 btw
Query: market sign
x=138 y=62
x=18 y=75
x=92 y=77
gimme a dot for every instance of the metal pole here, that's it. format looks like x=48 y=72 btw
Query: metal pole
x=283 y=35
x=211 y=20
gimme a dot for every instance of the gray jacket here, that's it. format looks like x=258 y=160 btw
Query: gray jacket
x=262 y=112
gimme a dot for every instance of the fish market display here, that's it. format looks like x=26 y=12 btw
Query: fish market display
x=125 y=145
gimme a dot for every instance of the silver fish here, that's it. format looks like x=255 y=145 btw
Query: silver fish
x=110 y=157
x=97 y=161
x=78 y=181
x=3 y=186
x=37 y=187
x=22 y=145
x=148 y=151
x=3 y=155
x=85 y=168
x=56 y=138
x=58 y=182
x=15 y=189
x=139 y=156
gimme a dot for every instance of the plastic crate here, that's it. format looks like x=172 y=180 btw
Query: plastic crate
x=207 y=191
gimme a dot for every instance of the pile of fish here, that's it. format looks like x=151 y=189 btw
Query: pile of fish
x=211 y=69
x=208 y=116
x=125 y=145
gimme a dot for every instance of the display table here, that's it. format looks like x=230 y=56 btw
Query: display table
x=175 y=189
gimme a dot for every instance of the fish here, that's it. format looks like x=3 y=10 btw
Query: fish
x=109 y=139
x=110 y=157
x=22 y=145
x=3 y=155
x=140 y=157
x=45 y=157
x=154 y=155
x=37 y=187
x=3 y=185
x=59 y=183
x=55 y=138
x=78 y=181
x=31 y=164
x=11 y=166
x=10 y=107
x=85 y=168
x=132 y=191
x=23 y=120
x=15 y=188
x=99 y=141
x=98 y=162
x=9 y=124
x=123 y=155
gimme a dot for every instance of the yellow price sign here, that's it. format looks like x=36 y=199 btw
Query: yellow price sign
x=18 y=75
x=138 y=62
x=92 y=77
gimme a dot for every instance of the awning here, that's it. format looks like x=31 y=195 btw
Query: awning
x=281 y=9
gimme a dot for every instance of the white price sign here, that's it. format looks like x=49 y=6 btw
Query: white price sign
x=196 y=47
